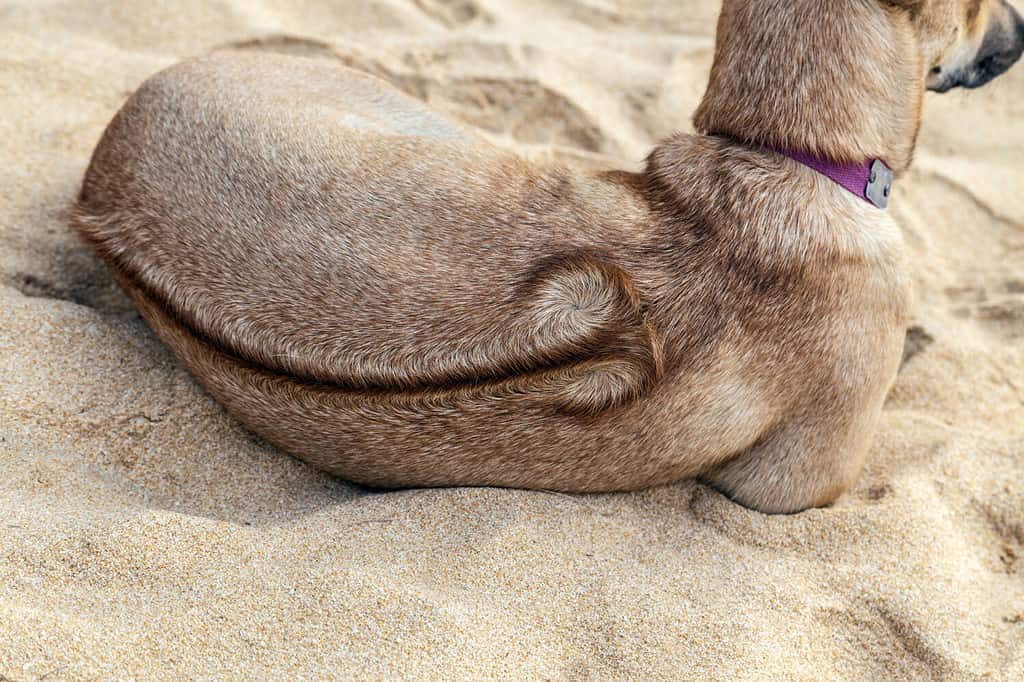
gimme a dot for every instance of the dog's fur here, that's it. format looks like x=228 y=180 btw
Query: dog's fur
x=372 y=288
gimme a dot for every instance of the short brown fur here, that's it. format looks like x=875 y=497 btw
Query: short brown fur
x=375 y=290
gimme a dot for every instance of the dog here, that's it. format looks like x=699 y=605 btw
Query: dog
x=376 y=290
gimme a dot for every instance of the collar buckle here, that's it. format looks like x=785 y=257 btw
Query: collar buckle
x=879 y=184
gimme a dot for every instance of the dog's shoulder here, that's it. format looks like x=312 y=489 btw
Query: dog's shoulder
x=763 y=206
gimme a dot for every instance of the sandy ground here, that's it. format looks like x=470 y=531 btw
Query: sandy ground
x=144 y=534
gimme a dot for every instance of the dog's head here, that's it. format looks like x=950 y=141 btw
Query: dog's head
x=845 y=79
x=965 y=43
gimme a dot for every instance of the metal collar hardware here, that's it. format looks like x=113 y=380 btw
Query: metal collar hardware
x=879 y=184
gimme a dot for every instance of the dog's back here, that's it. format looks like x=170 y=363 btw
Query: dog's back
x=302 y=236
x=260 y=216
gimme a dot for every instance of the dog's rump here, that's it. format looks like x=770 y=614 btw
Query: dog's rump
x=312 y=249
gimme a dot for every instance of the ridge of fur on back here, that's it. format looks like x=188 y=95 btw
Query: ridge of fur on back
x=594 y=348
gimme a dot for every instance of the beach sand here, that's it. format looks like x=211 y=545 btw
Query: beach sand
x=146 y=535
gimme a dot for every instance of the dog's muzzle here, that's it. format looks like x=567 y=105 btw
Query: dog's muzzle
x=998 y=53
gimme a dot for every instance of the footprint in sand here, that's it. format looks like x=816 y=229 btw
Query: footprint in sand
x=454 y=13
x=523 y=108
x=999 y=310
x=68 y=271
x=285 y=44
x=282 y=43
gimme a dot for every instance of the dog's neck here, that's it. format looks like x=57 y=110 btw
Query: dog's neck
x=840 y=82
x=869 y=180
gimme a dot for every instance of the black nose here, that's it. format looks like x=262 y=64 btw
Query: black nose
x=1018 y=23
x=997 y=54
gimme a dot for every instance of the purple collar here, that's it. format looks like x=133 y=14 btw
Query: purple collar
x=870 y=180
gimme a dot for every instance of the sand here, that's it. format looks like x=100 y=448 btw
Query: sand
x=146 y=535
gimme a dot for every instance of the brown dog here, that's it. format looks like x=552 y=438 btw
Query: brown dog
x=372 y=288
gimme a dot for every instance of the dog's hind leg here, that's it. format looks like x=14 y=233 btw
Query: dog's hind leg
x=806 y=463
